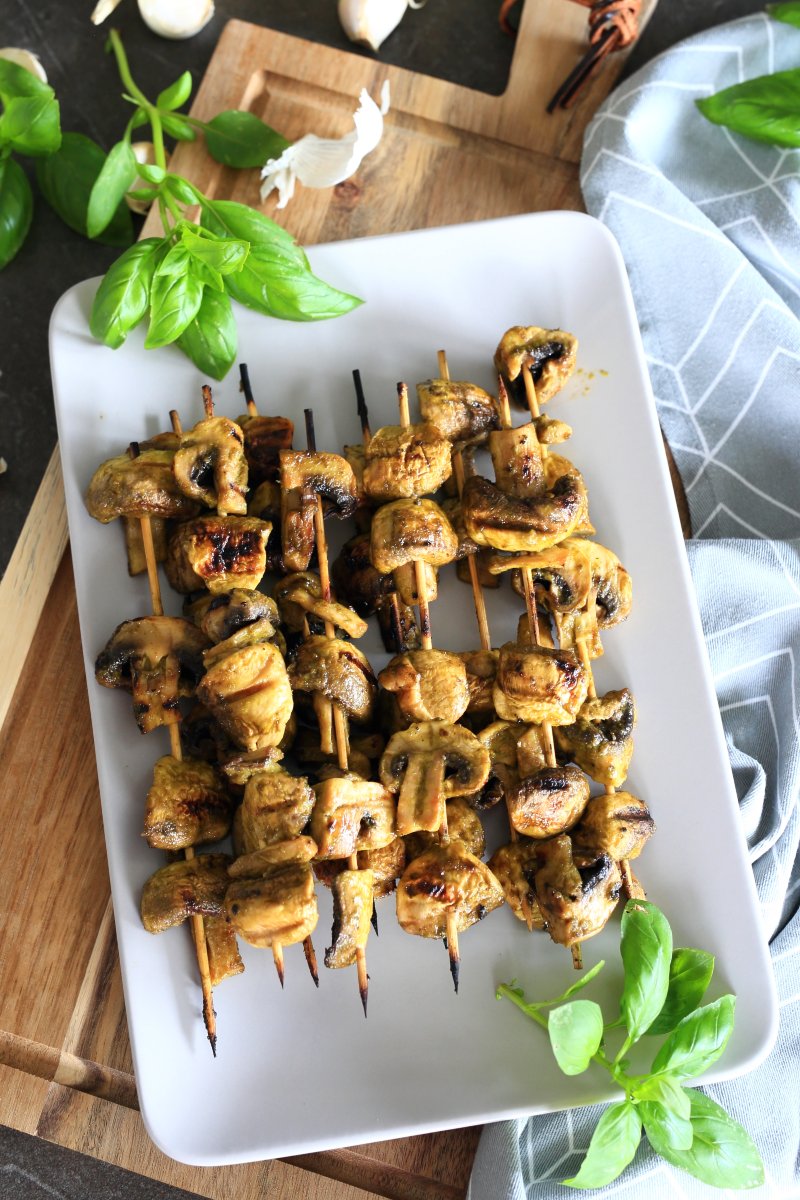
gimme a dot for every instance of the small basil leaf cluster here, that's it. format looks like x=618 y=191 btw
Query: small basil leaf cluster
x=661 y=995
x=184 y=281
x=29 y=125
x=767 y=108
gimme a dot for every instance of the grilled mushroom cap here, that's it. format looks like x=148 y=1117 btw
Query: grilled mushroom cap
x=514 y=866
x=406 y=461
x=463 y=826
x=517 y=461
x=223 y=615
x=536 y=684
x=407 y=531
x=387 y=865
x=300 y=596
x=462 y=412
x=601 y=739
x=210 y=465
x=304 y=476
x=352 y=911
x=443 y=880
x=550 y=354
x=338 y=670
x=351 y=814
x=575 y=902
x=617 y=824
x=430 y=685
x=549 y=802
x=428 y=764
x=219 y=553
x=156 y=659
x=187 y=804
x=190 y=887
x=494 y=519
x=138 y=487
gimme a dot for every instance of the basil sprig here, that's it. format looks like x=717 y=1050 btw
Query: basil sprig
x=183 y=282
x=662 y=993
x=29 y=125
x=767 y=108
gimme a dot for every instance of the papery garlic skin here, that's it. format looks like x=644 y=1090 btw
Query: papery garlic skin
x=369 y=22
x=323 y=162
x=26 y=59
x=176 y=19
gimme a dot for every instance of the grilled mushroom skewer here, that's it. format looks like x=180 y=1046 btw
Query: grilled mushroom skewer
x=198 y=928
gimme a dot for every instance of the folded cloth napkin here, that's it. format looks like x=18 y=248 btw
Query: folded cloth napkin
x=709 y=226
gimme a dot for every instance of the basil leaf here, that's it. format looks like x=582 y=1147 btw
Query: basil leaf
x=721 y=1153
x=666 y=1091
x=226 y=218
x=31 y=124
x=664 y=1127
x=118 y=173
x=690 y=973
x=178 y=127
x=16 y=209
x=181 y=189
x=174 y=262
x=66 y=180
x=211 y=340
x=788 y=12
x=177 y=93
x=174 y=301
x=124 y=293
x=766 y=109
x=275 y=284
x=646 y=948
x=612 y=1147
x=16 y=81
x=698 y=1040
x=151 y=172
x=225 y=255
x=576 y=1031
x=240 y=139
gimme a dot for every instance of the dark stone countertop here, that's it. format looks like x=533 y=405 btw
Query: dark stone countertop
x=455 y=40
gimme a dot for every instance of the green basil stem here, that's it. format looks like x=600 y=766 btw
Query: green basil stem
x=115 y=42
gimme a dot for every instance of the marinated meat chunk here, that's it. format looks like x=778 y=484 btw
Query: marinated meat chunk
x=430 y=685
x=187 y=804
x=249 y=693
x=514 y=866
x=280 y=907
x=264 y=438
x=276 y=806
x=187 y=888
x=463 y=826
x=219 y=553
x=481 y=668
x=355 y=579
x=351 y=814
x=404 y=461
x=462 y=412
x=224 y=959
x=386 y=864
x=445 y=879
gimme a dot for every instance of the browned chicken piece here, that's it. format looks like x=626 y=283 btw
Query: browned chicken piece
x=239 y=766
x=404 y=461
x=299 y=596
x=517 y=460
x=352 y=910
x=356 y=456
x=187 y=888
x=134 y=546
x=428 y=764
x=551 y=431
x=575 y=902
x=536 y=684
x=514 y=866
x=264 y=438
x=337 y=670
x=601 y=739
x=549 y=353
x=276 y=807
x=387 y=865
x=305 y=475
x=224 y=959
x=407 y=531
x=462 y=412
x=549 y=802
x=481 y=668
x=351 y=814
x=250 y=695
x=157 y=660
x=532 y=749
x=617 y=824
x=138 y=487
x=443 y=880
x=430 y=685
x=187 y=804
x=223 y=615
x=210 y=465
x=506 y=523
x=218 y=553
x=485 y=579
x=463 y=826
x=279 y=907
x=255 y=863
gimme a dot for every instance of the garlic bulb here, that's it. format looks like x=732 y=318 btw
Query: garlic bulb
x=369 y=22
x=143 y=152
x=169 y=18
x=323 y=162
x=26 y=59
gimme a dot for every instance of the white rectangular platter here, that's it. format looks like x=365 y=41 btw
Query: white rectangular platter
x=302 y=1070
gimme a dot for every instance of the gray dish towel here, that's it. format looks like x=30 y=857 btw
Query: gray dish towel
x=709 y=226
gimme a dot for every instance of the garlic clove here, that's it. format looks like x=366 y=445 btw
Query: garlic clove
x=26 y=59
x=102 y=10
x=323 y=162
x=143 y=152
x=369 y=22
x=176 y=19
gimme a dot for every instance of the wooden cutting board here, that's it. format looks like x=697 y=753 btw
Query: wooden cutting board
x=448 y=155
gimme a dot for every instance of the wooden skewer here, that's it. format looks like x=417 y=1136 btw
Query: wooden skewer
x=339 y=718
x=244 y=384
x=427 y=644
x=196 y=921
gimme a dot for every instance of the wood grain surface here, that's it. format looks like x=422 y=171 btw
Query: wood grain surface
x=448 y=155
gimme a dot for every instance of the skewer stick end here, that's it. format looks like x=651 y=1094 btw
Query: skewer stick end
x=374 y=918
x=277 y=957
x=577 y=956
x=208 y=401
x=210 y=1022
x=453 y=950
x=363 y=977
x=311 y=960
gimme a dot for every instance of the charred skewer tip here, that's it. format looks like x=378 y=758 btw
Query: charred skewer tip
x=210 y=1022
x=311 y=959
x=246 y=389
x=374 y=917
x=361 y=404
x=455 y=961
